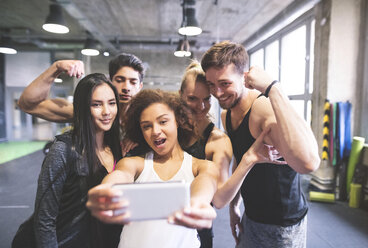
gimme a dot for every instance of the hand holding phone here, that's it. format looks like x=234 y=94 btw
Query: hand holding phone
x=152 y=201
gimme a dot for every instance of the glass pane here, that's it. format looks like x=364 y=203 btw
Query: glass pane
x=311 y=56
x=309 y=112
x=272 y=59
x=256 y=58
x=293 y=54
x=298 y=106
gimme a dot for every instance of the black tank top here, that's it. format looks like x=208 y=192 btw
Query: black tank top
x=271 y=193
x=198 y=149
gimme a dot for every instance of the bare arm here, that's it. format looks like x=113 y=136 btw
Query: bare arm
x=203 y=187
x=290 y=134
x=34 y=99
x=219 y=150
x=257 y=153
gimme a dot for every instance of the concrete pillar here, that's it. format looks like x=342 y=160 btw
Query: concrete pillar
x=337 y=66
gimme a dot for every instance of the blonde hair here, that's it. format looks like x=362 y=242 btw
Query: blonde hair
x=194 y=70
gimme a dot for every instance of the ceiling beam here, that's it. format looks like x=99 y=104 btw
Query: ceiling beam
x=74 y=12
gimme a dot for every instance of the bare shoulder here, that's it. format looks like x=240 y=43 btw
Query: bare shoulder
x=217 y=134
x=218 y=139
x=131 y=163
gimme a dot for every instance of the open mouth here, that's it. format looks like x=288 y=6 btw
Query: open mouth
x=159 y=142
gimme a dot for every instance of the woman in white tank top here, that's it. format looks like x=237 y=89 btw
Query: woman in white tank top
x=159 y=121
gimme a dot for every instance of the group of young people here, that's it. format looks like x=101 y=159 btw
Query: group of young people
x=124 y=134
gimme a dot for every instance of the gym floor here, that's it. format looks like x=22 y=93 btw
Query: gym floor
x=329 y=225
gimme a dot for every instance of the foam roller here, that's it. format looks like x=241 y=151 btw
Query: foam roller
x=321 y=197
x=356 y=149
x=355 y=195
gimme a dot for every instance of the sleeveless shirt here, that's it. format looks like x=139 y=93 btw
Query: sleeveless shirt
x=271 y=193
x=198 y=149
x=159 y=233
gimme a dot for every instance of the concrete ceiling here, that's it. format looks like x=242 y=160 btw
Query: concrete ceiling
x=133 y=24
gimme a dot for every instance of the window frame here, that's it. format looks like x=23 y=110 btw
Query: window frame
x=306 y=19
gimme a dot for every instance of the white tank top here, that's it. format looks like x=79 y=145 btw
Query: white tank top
x=159 y=233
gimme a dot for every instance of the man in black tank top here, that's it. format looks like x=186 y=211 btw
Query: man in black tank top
x=275 y=207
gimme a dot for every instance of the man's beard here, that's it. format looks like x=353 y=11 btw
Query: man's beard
x=234 y=103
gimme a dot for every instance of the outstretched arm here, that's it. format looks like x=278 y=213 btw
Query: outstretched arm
x=200 y=214
x=290 y=134
x=34 y=99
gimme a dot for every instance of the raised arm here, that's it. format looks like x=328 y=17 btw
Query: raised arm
x=34 y=99
x=289 y=134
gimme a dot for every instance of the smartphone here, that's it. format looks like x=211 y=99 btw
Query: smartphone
x=153 y=201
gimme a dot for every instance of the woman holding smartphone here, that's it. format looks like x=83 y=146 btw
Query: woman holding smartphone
x=160 y=122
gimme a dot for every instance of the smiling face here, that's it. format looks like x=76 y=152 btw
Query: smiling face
x=159 y=128
x=226 y=84
x=197 y=96
x=127 y=82
x=103 y=107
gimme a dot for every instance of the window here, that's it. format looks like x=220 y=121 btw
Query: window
x=256 y=58
x=272 y=59
x=288 y=57
x=293 y=53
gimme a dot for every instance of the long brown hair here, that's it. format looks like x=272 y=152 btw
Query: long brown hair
x=83 y=134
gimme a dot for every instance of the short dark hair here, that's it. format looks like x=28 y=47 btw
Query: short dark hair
x=145 y=98
x=226 y=53
x=129 y=60
x=83 y=134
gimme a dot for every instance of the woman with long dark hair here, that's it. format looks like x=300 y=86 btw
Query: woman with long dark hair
x=77 y=161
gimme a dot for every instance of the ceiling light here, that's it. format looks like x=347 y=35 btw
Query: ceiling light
x=90 y=48
x=6 y=46
x=189 y=25
x=183 y=49
x=55 y=22
x=106 y=54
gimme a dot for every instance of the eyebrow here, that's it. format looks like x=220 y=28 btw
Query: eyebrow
x=158 y=117
x=97 y=100
x=130 y=78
